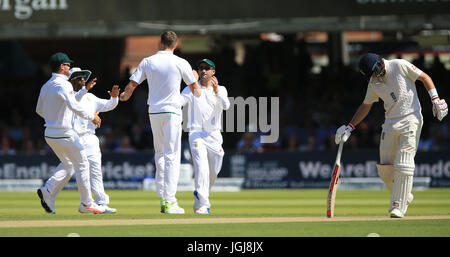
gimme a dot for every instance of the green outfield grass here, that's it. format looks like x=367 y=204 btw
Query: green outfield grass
x=134 y=206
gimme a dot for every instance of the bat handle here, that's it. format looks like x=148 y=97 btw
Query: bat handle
x=339 y=153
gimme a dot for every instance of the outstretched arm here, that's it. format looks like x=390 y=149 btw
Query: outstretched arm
x=126 y=94
x=361 y=113
x=104 y=105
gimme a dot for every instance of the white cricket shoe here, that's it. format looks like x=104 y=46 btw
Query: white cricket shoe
x=92 y=208
x=202 y=210
x=46 y=200
x=408 y=202
x=108 y=210
x=173 y=208
x=396 y=213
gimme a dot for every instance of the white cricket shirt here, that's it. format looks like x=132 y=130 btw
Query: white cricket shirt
x=397 y=90
x=57 y=104
x=205 y=112
x=164 y=72
x=93 y=104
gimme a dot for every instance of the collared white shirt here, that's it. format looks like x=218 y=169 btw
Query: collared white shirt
x=397 y=90
x=164 y=72
x=93 y=104
x=57 y=104
x=205 y=112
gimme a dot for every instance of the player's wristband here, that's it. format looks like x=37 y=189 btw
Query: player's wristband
x=433 y=94
x=351 y=126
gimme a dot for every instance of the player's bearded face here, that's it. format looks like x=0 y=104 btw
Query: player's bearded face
x=205 y=72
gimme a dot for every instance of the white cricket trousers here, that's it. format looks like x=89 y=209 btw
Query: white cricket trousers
x=61 y=176
x=399 y=142
x=69 y=150
x=398 y=147
x=166 y=129
x=207 y=156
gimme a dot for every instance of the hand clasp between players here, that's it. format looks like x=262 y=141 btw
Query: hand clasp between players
x=440 y=108
x=343 y=133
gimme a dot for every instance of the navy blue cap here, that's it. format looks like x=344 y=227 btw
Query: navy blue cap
x=368 y=64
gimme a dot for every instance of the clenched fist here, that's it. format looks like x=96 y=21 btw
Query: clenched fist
x=440 y=108
x=343 y=133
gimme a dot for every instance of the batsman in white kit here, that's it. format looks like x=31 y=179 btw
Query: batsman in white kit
x=164 y=72
x=86 y=133
x=393 y=82
x=57 y=105
x=205 y=139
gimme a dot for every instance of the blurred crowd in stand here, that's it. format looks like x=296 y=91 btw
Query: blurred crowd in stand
x=312 y=105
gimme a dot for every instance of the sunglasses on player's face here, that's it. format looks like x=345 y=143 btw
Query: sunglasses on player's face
x=204 y=68
x=78 y=78
x=378 y=69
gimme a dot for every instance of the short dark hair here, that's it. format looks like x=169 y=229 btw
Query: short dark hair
x=169 y=39
x=55 y=67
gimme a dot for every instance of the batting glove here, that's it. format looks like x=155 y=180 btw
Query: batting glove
x=440 y=109
x=343 y=133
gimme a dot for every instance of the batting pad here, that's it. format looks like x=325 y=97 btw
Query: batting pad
x=403 y=181
x=386 y=174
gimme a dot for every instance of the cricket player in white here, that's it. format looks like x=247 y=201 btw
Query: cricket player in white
x=393 y=82
x=205 y=138
x=164 y=72
x=57 y=104
x=86 y=133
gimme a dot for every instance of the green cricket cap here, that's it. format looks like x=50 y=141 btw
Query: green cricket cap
x=207 y=61
x=59 y=58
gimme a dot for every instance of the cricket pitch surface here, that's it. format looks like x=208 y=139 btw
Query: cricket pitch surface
x=189 y=221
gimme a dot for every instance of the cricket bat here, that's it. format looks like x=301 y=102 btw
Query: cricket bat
x=334 y=183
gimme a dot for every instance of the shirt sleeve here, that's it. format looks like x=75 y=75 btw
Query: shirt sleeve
x=409 y=70
x=185 y=96
x=80 y=93
x=371 y=96
x=104 y=105
x=222 y=97
x=139 y=75
x=186 y=73
x=39 y=105
x=68 y=96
